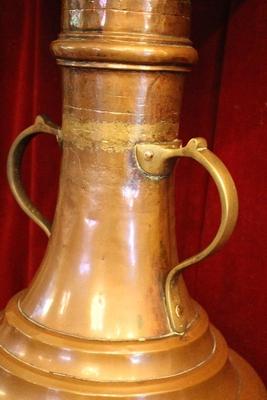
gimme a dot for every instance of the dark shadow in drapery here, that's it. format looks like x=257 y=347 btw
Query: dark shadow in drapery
x=210 y=14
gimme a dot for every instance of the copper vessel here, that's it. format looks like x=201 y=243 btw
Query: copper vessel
x=108 y=314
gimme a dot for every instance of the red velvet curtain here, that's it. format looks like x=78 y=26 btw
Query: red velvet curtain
x=225 y=101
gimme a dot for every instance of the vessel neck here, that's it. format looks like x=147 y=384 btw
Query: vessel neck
x=113 y=238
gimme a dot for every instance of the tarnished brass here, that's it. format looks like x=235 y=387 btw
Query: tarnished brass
x=108 y=315
x=153 y=159
x=41 y=124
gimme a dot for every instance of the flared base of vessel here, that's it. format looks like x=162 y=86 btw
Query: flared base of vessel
x=37 y=363
x=244 y=386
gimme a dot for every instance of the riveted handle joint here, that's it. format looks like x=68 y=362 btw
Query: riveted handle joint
x=152 y=159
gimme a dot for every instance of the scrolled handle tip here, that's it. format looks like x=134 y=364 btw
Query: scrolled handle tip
x=198 y=143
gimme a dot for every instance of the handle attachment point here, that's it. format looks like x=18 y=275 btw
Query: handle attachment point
x=158 y=165
x=42 y=124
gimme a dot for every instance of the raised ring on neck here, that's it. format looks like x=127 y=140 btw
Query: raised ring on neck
x=146 y=35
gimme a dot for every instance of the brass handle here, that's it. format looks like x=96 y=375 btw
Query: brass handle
x=153 y=160
x=41 y=124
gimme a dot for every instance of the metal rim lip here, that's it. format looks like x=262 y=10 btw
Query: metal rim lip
x=126 y=37
x=122 y=66
x=124 y=53
x=241 y=379
x=216 y=365
x=152 y=359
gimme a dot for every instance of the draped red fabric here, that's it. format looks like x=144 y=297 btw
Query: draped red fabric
x=225 y=101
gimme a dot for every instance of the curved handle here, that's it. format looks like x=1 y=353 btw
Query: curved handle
x=15 y=156
x=153 y=160
x=197 y=149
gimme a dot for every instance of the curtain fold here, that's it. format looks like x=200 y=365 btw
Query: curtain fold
x=225 y=101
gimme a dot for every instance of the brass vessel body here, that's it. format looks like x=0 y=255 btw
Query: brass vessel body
x=108 y=313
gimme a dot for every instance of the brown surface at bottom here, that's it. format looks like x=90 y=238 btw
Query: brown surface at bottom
x=249 y=388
